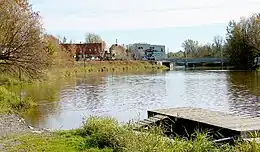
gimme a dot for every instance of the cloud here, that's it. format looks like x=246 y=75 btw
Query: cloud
x=100 y=15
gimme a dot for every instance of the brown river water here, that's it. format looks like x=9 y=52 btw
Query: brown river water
x=64 y=103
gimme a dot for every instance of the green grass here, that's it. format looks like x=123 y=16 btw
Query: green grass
x=10 y=103
x=67 y=141
x=107 y=135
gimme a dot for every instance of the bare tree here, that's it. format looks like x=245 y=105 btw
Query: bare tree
x=218 y=41
x=217 y=46
x=21 y=45
x=60 y=55
x=190 y=47
x=93 y=38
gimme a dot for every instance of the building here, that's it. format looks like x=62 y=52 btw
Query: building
x=143 y=51
x=87 y=50
x=118 y=52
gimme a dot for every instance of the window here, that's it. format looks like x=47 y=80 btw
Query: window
x=161 y=49
x=95 y=50
x=89 y=50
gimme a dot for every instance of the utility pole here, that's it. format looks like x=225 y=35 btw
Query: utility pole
x=186 y=64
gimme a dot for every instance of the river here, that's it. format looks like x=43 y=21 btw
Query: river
x=65 y=103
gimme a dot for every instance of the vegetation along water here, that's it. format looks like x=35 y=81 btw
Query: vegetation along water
x=43 y=86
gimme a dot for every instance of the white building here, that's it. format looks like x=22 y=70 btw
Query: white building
x=147 y=51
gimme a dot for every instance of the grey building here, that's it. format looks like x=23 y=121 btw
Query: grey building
x=143 y=51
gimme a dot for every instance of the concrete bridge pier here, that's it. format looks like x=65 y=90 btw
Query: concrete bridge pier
x=168 y=64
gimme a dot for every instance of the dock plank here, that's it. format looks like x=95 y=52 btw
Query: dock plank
x=215 y=118
x=149 y=121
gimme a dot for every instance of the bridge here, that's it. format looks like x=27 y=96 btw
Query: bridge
x=192 y=62
x=196 y=60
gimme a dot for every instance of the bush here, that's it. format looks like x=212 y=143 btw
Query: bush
x=108 y=133
x=102 y=133
x=10 y=103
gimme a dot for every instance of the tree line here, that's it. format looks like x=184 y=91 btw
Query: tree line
x=240 y=46
x=192 y=49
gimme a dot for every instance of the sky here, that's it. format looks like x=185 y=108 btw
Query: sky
x=166 y=22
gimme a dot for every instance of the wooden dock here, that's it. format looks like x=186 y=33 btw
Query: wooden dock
x=185 y=120
x=150 y=121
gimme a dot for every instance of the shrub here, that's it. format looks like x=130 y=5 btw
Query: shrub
x=105 y=132
x=10 y=103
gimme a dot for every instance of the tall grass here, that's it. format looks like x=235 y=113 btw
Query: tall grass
x=106 y=134
x=11 y=103
x=104 y=66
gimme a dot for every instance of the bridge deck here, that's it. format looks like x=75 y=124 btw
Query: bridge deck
x=214 y=118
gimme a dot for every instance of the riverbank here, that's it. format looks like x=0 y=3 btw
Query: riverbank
x=107 y=135
x=105 y=67
x=87 y=67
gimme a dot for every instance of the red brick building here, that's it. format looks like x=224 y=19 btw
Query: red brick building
x=86 y=49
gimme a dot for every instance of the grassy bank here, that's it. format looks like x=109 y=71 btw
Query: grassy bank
x=105 y=66
x=107 y=135
x=88 y=67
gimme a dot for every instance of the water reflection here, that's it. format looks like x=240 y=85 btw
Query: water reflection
x=207 y=90
x=47 y=95
x=129 y=96
x=245 y=93
x=120 y=96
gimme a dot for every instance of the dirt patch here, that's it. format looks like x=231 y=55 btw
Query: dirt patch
x=11 y=125
x=14 y=124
